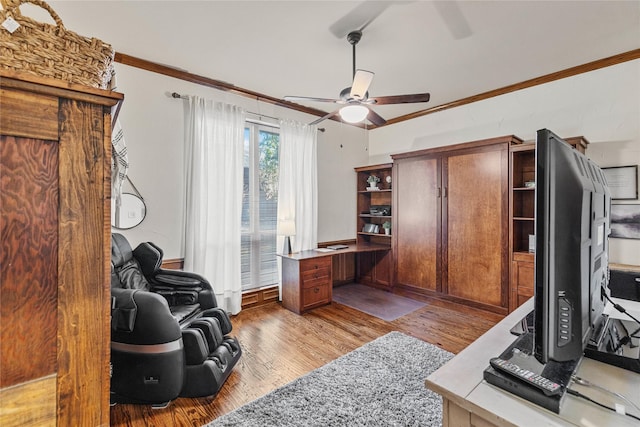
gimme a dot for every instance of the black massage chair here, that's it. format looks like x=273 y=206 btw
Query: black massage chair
x=168 y=337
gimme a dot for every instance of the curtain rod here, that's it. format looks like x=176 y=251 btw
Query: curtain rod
x=259 y=122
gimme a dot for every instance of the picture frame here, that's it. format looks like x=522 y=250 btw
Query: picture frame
x=625 y=221
x=622 y=181
x=370 y=228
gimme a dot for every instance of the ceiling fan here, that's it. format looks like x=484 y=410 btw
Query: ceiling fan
x=356 y=98
x=367 y=11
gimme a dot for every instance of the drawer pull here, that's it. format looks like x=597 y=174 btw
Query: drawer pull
x=316 y=290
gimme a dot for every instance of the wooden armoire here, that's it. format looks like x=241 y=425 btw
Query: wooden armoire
x=55 y=194
x=451 y=222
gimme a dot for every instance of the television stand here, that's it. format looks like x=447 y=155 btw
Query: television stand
x=520 y=353
x=612 y=344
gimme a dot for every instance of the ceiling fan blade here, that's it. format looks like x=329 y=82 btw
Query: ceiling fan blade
x=361 y=82
x=375 y=118
x=308 y=98
x=453 y=18
x=325 y=117
x=359 y=17
x=401 y=99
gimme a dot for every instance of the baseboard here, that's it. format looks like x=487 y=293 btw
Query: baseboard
x=173 y=264
x=258 y=297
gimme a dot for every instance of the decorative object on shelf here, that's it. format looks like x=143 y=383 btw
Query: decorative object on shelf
x=371 y=228
x=387 y=228
x=380 y=210
x=286 y=228
x=52 y=50
x=388 y=180
x=530 y=184
x=623 y=182
x=625 y=221
x=373 y=183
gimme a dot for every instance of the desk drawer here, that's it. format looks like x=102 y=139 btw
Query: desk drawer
x=315 y=264
x=315 y=272
x=316 y=295
x=317 y=277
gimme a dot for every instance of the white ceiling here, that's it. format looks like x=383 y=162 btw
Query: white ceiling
x=280 y=48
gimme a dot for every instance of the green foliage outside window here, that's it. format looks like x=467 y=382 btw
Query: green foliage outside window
x=269 y=164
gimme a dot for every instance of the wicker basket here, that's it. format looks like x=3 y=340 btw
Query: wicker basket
x=52 y=50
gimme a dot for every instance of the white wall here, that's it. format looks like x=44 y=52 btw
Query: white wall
x=153 y=125
x=603 y=106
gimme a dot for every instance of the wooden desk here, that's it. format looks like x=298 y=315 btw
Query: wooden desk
x=307 y=276
x=469 y=400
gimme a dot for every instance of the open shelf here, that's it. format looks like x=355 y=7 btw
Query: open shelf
x=362 y=233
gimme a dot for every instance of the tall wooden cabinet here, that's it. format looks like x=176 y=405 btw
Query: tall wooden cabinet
x=54 y=253
x=522 y=217
x=374 y=268
x=451 y=234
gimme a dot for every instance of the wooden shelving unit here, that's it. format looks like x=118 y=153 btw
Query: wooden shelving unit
x=374 y=268
x=522 y=217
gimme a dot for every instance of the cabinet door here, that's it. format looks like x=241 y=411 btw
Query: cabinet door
x=522 y=273
x=375 y=268
x=475 y=226
x=417 y=222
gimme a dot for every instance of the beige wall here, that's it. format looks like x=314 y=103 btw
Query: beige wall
x=602 y=105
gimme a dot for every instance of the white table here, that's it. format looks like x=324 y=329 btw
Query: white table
x=468 y=400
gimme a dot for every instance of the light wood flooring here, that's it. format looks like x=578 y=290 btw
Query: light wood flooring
x=279 y=346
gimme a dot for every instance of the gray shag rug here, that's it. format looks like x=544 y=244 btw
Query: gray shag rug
x=380 y=383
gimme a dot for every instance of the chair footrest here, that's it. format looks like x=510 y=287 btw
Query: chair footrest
x=207 y=378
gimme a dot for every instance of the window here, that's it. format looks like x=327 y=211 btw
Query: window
x=259 y=207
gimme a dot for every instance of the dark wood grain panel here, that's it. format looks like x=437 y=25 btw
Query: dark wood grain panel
x=417 y=222
x=83 y=286
x=29 y=258
x=28 y=115
x=476 y=205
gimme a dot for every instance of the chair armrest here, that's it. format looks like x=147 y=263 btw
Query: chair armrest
x=176 y=281
x=179 y=278
x=142 y=318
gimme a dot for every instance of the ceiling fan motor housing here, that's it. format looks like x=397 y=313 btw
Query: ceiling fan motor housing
x=354 y=37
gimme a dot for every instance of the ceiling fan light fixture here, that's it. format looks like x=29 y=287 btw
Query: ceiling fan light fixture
x=354 y=113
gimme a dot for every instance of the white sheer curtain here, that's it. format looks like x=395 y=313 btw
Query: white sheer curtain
x=214 y=170
x=298 y=183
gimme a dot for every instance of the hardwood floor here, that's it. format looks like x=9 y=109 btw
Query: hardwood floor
x=279 y=346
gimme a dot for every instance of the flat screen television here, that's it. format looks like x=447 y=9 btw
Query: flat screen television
x=572 y=208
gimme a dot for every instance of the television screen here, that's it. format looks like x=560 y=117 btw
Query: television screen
x=572 y=211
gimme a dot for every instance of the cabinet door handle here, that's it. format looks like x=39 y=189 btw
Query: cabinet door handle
x=316 y=290
x=445 y=192
x=439 y=192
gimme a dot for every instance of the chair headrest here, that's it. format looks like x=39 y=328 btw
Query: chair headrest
x=121 y=252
